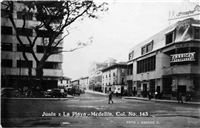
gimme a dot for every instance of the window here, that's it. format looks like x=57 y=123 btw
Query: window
x=113 y=74
x=27 y=48
x=6 y=63
x=122 y=81
x=24 y=64
x=6 y=30
x=143 y=50
x=170 y=37
x=29 y=16
x=131 y=55
x=43 y=33
x=197 y=33
x=40 y=49
x=52 y=65
x=130 y=69
x=3 y=13
x=147 y=48
x=6 y=46
x=146 y=65
x=25 y=32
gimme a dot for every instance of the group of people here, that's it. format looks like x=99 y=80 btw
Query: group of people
x=156 y=95
x=187 y=98
x=180 y=97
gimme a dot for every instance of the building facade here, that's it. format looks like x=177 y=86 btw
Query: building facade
x=84 y=82
x=95 y=74
x=114 y=78
x=168 y=62
x=64 y=82
x=14 y=71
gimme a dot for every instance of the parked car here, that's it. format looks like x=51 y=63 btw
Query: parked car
x=70 y=91
x=56 y=92
x=47 y=93
x=9 y=92
x=77 y=91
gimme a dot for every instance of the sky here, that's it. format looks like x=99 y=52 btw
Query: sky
x=124 y=25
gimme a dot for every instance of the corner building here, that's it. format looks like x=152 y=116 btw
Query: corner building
x=14 y=71
x=167 y=62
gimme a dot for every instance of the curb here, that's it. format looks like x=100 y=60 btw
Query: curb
x=158 y=100
x=28 y=98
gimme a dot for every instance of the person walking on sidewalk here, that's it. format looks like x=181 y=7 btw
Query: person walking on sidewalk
x=149 y=95
x=180 y=97
x=110 y=97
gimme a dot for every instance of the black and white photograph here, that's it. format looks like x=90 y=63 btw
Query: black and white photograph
x=100 y=64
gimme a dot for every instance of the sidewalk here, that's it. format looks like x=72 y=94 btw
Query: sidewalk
x=35 y=98
x=141 y=98
x=157 y=100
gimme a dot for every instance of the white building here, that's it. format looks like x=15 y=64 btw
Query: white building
x=84 y=82
x=114 y=78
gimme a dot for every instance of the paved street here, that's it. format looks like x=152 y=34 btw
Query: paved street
x=92 y=110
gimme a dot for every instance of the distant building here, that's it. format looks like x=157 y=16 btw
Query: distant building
x=84 y=82
x=167 y=62
x=76 y=82
x=95 y=74
x=64 y=82
x=114 y=78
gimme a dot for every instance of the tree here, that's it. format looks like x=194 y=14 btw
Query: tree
x=53 y=17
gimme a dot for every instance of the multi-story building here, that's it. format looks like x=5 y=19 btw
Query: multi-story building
x=64 y=82
x=84 y=82
x=95 y=74
x=167 y=62
x=76 y=83
x=14 y=71
x=114 y=78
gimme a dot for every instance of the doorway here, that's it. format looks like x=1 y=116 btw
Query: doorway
x=182 y=89
x=144 y=90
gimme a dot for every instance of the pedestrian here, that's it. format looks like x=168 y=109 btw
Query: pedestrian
x=180 y=98
x=110 y=97
x=161 y=95
x=149 y=95
x=156 y=94
x=187 y=98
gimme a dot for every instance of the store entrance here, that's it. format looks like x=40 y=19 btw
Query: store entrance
x=144 y=90
x=182 y=89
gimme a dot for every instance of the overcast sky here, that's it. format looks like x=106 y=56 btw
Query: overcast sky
x=125 y=25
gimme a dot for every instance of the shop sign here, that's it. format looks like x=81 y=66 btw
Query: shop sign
x=183 y=57
x=195 y=11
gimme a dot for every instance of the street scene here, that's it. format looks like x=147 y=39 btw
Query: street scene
x=92 y=110
x=100 y=64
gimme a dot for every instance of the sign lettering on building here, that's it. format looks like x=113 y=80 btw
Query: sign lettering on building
x=175 y=15
x=183 y=57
